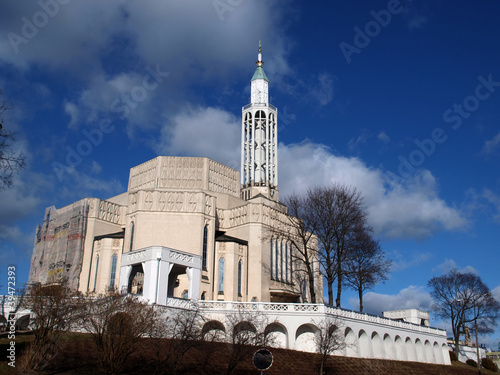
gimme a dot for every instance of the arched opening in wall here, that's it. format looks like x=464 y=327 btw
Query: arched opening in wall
x=244 y=331
x=365 y=347
x=410 y=350
x=213 y=330
x=445 y=353
x=22 y=323
x=400 y=349
x=305 y=338
x=336 y=339
x=277 y=335
x=178 y=282
x=351 y=349
x=438 y=354
x=389 y=347
x=244 y=326
x=377 y=346
x=429 y=353
x=419 y=348
x=136 y=280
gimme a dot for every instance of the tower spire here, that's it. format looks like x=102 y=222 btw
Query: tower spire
x=259 y=139
x=259 y=56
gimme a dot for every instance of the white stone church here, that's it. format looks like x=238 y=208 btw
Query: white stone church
x=193 y=229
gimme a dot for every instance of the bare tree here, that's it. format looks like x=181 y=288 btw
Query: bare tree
x=116 y=323
x=298 y=228
x=338 y=215
x=54 y=309
x=464 y=298
x=328 y=339
x=11 y=161
x=183 y=329
x=366 y=265
x=245 y=329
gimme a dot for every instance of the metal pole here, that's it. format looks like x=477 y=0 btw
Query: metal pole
x=477 y=350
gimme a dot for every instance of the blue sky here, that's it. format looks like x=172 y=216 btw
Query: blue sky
x=398 y=98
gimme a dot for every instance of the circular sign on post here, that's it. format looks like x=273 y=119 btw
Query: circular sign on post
x=262 y=359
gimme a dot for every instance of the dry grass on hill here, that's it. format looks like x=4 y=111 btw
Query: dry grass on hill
x=77 y=356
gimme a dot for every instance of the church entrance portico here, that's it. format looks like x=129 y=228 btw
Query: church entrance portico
x=161 y=268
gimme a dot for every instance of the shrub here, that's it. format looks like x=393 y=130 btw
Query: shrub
x=471 y=362
x=488 y=364
x=453 y=356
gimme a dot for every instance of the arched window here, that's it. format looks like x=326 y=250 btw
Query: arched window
x=281 y=261
x=205 y=242
x=96 y=269
x=276 y=253
x=285 y=263
x=113 y=271
x=131 y=235
x=239 y=277
x=272 y=265
x=221 y=276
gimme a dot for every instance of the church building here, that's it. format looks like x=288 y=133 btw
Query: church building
x=187 y=227
x=192 y=229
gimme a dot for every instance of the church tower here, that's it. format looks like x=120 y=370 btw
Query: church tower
x=259 y=140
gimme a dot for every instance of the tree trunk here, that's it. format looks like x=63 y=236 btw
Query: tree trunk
x=339 y=285
x=360 y=292
x=457 y=340
x=330 y=291
x=310 y=273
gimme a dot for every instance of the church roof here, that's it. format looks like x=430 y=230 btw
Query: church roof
x=259 y=74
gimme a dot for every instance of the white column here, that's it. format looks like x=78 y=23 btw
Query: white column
x=164 y=273
x=194 y=277
x=150 y=271
x=124 y=275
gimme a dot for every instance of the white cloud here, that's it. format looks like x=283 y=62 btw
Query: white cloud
x=382 y=136
x=72 y=110
x=360 y=140
x=156 y=32
x=322 y=90
x=491 y=145
x=412 y=297
x=402 y=262
x=407 y=208
x=207 y=132
x=496 y=293
x=494 y=200
x=450 y=264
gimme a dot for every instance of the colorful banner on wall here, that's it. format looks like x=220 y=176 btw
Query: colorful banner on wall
x=58 y=249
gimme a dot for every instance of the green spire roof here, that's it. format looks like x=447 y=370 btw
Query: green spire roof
x=259 y=74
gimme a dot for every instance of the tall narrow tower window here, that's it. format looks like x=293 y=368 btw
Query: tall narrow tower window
x=112 y=276
x=221 y=276
x=239 y=277
x=96 y=269
x=131 y=236
x=285 y=263
x=205 y=242
x=272 y=250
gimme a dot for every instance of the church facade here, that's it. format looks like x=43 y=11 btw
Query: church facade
x=192 y=229
x=187 y=227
